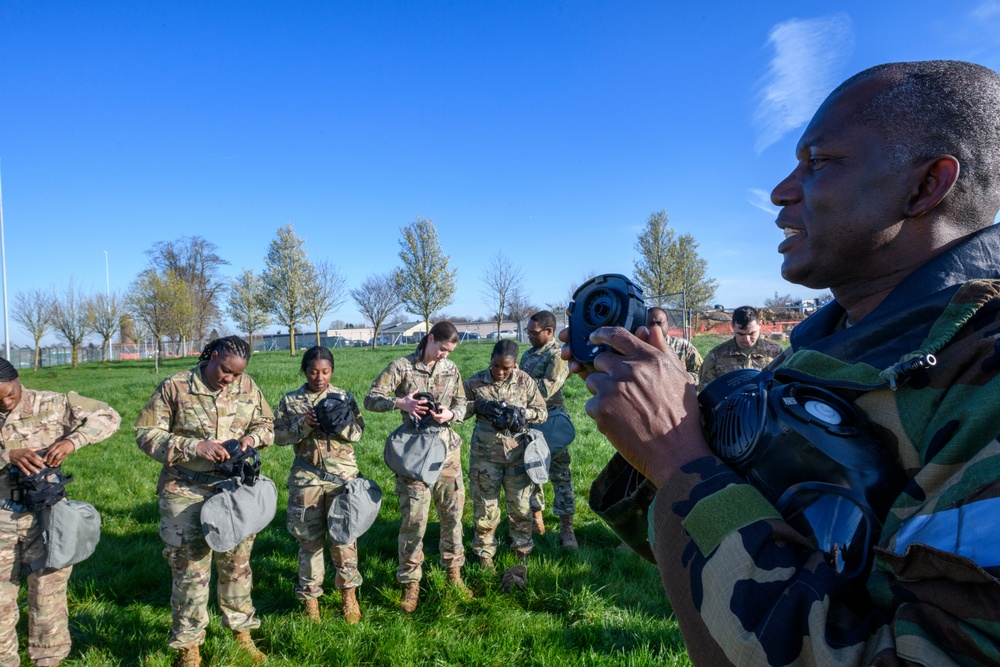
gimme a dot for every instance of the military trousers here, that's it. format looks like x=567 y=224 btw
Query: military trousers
x=21 y=541
x=448 y=493
x=190 y=560
x=564 y=501
x=308 y=507
x=486 y=479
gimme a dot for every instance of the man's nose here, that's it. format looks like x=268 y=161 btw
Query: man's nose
x=787 y=191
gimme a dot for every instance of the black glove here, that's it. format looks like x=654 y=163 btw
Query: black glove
x=242 y=464
x=516 y=418
x=491 y=411
x=335 y=413
x=432 y=407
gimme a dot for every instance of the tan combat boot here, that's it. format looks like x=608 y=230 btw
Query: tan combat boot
x=189 y=656
x=455 y=579
x=311 y=607
x=411 y=594
x=537 y=523
x=566 y=534
x=349 y=605
x=245 y=642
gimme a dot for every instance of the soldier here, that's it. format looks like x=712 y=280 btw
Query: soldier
x=891 y=204
x=746 y=349
x=497 y=458
x=543 y=363
x=183 y=426
x=38 y=429
x=686 y=352
x=428 y=370
x=323 y=464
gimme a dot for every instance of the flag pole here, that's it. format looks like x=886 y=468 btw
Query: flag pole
x=3 y=267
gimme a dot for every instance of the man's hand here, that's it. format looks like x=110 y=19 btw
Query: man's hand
x=311 y=417
x=643 y=401
x=27 y=460
x=246 y=441
x=211 y=450
x=57 y=453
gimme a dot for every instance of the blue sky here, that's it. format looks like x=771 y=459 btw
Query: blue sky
x=545 y=131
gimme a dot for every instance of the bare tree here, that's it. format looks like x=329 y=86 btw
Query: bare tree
x=286 y=280
x=501 y=280
x=33 y=311
x=519 y=308
x=778 y=301
x=573 y=287
x=247 y=304
x=195 y=261
x=424 y=281
x=108 y=310
x=73 y=318
x=329 y=291
x=378 y=299
x=157 y=301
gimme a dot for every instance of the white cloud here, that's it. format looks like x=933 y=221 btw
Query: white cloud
x=986 y=11
x=761 y=199
x=803 y=70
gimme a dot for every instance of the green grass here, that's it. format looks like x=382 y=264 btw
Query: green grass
x=595 y=606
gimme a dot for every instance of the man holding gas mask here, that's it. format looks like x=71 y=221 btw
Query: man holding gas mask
x=891 y=206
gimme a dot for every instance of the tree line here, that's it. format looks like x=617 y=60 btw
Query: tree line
x=182 y=295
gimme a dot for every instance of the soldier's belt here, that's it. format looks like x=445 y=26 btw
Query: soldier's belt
x=197 y=477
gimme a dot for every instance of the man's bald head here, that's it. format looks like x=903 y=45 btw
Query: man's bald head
x=942 y=107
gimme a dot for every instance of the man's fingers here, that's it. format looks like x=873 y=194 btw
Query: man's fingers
x=619 y=339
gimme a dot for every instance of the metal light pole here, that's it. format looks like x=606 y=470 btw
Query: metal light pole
x=3 y=266
x=107 y=292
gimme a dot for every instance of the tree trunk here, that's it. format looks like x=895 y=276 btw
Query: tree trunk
x=318 y=343
x=251 y=342
x=38 y=355
x=74 y=355
x=291 y=339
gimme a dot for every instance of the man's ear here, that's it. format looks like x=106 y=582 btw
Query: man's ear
x=934 y=180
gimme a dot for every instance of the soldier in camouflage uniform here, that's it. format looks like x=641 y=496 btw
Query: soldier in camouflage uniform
x=323 y=464
x=496 y=459
x=543 y=363
x=38 y=429
x=183 y=427
x=746 y=349
x=686 y=352
x=907 y=147
x=428 y=370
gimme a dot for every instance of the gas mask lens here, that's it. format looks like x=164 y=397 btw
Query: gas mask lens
x=836 y=523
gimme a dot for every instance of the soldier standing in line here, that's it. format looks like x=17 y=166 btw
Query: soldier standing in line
x=323 y=464
x=746 y=349
x=686 y=352
x=38 y=429
x=183 y=426
x=427 y=370
x=496 y=459
x=543 y=363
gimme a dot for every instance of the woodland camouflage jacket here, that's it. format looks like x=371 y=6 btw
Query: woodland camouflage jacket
x=748 y=590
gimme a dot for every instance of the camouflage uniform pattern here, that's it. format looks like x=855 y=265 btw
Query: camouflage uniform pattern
x=687 y=353
x=309 y=496
x=749 y=590
x=40 y=419
x=442 y=380
x=729 y=357
x=549 y=371
x=182 y=412
x=497 y=461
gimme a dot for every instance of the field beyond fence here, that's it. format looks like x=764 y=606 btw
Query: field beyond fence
x=598 y=605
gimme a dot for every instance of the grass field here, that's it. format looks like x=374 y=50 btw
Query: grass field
x=595 y=606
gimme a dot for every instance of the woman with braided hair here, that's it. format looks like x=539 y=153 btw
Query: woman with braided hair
x=496 y=458
x=38 y=430
x=428 y=370
x=324 y=463
x=183 y=426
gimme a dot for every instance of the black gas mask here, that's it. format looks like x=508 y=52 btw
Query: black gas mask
x=810 y=453
x=242 y=464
